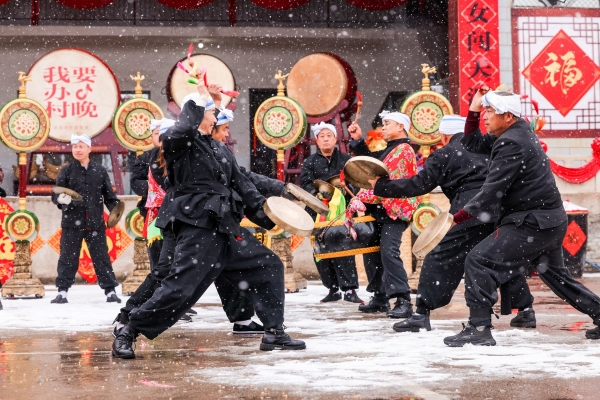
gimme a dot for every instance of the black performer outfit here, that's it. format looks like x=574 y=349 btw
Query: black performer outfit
x=84 y=220
x=460 y=174
x=200 y=218
x=385 y=269
x=336 y=273
x=530 y=230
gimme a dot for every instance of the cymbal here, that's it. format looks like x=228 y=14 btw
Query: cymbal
x=289 y=216
x=323 y=187
x=307 y=198
x=74 y=195
x=335 y=181
x=433 y=234
x=358 y=170
x=115 y=215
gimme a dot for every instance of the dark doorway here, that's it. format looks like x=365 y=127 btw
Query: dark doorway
x=263 y=160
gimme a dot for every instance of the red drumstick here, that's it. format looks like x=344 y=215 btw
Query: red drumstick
x=358 y=106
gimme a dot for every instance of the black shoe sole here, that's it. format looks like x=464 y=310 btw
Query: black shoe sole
x=481 y=343
x=523 y=324
x=594 y=336
x=191 y=312
x=269 y=347
x=113 y=301
x=123 y=357
x=403 y=316
x=373 y=310
x=248 y=332
x=410 y=329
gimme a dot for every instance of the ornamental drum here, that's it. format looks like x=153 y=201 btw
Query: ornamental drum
x=332 y=239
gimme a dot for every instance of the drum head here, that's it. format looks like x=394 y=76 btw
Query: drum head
x=115 y=215
x=216 y=72
x=323 y=187
x=307 y=198
x=60 y=190
x=289 y=216
x=318 y=82
x=358 y=170
x=335 y=181
x=433 y=234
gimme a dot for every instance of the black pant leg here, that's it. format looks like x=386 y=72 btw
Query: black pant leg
x=395 y=279
x=236 y=304
x=518 y=290
x=327 y=271
x=444 y=267
x=68 y=261
x=374 y=269
x=346 y=274
x=197 y=262
x=96 y=241
x=259 y=273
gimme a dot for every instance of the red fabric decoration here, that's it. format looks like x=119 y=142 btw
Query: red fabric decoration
x=579 y=174
x=379 y=5
x=84 y=5
x=280 y=4
x=574 y=239
x=185 y=4
x=2 y=2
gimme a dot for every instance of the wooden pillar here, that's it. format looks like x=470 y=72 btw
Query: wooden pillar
x=141 y=270
x=293 y=280
x=22 y=283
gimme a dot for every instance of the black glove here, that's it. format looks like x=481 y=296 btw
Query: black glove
x=287 y=195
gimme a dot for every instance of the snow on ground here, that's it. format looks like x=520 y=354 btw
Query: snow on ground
x=344 y=348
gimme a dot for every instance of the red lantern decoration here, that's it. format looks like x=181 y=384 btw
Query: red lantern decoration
x=379 y=5
x=280 y=4
x=85 y=4
x=185 y=4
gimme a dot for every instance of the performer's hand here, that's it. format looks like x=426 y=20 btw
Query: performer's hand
x=215 y=92
x=373 y=182
x=202 y=89
x=64 y=199
x=355 y=131
x=287 y=195
x=476 y=102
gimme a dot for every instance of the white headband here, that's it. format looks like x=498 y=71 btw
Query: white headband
x=76 y=139
x=165 y=124
x=398 y=117
x=503 y=104
x=225 y=117
x=316 y=129
x=452 y=124
x=201 y=101
x=154 y=123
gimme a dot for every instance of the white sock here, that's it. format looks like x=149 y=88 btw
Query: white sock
x=527 y=309
x=246 y=322
x=108 y=294
x=120 y=325
x=349 y=291
x=63 y=294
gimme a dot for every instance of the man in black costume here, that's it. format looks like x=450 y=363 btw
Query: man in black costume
x=200 y=219
x=532 y=223
x=460 y=174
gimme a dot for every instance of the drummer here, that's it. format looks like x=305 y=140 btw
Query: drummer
x=201 y=214
x=385 y=270
x=460 y=174
x=336 y=273
x=84 y=220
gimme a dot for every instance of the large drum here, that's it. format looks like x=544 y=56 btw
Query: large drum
x=320 y=81
x=216 y=72
x=331 y=239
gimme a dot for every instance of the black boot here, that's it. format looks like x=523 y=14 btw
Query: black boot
x=334 y=295
x=59 y=300
x=191 y=311
x=185 y=318
x=352 y=297
x=402 y=309
x=122 y=345
x=1 y=308
x=415 y=323
x=252 y=329
x=375 y=304
x=524 y=319
x=593 y=334
x=113 y=298
x=477 y=336
x=277 y=339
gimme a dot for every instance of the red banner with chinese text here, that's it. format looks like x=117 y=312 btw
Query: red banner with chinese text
x=478 y=48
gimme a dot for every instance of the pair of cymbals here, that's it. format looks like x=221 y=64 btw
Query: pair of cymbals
x=359 y=170
x=113 y=218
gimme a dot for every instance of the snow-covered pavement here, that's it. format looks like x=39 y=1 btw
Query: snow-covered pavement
x=348 y=353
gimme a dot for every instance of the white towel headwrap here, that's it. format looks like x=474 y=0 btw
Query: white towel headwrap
x=165 y=124
x=452 y=124
x=225 y=116
x=85 y=139
x=322 y=125
x=398 y=117
x=503 y=103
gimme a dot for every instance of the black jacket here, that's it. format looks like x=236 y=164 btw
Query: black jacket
x=93 y=184
x=519 y=182
x=139 y=176
x=207 y=188
x=360 y=148
x=266 y=186
x=458 y=172
x=317 y=166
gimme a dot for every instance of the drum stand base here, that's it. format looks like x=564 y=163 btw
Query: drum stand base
x=22 y=283
x=413 y=279
x=141 y=270
x=293 y=281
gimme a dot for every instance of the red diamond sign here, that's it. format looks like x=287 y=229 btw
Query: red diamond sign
x=562 y=73
x=574 y=239
x=478 y=13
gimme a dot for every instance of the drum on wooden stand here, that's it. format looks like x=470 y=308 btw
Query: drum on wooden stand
x=332 y=239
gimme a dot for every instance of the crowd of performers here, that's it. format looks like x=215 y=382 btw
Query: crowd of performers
x=508 y=216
